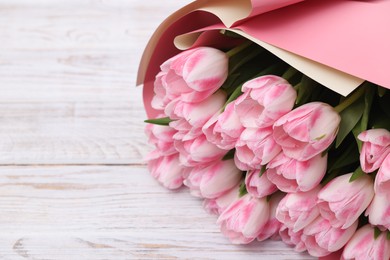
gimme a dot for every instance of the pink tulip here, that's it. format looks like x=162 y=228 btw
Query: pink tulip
x=214 y=180
x=363 y=245
x=192 y=76
x=254 y=148
x=217 y=205
x=382 y=179
x=292 y=238
x=297 y=210
x=342 y=202
x=161 y=137
x=184 y=131
x=321 y=238
x=273 y=225
x=265 y=100
x=259 y=186
x=189 y=118
x=307 y=130
x=379 y=211
x=291 y=175
x=224 y=129
x=196 y=114
x=198 y=151
x=244 y=219
x=376 y=146
x=167 y=170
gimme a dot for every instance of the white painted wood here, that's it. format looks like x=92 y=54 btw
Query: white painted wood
x=105 y=132
x=110 y=212
x=67 y=97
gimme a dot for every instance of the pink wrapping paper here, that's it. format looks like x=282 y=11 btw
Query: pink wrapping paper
x=347 y=35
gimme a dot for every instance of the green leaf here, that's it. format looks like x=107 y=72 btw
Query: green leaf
x=381 y=91
x=357 y=174
x=243 y=189
x=159 y=121
x=348 y=156
x=229 y=155
x=388 y=235
x=236 y=93
x=377 y=232
x=350 y=116
x=356 y=131
x=368 y=98
x=244 y=57
x=305 y=91
x=262 y=170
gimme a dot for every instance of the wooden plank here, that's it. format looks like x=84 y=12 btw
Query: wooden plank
x=115 y=212
x=72 y=133
x=80 y=24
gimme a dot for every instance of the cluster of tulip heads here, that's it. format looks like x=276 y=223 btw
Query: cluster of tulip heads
x=273 y=153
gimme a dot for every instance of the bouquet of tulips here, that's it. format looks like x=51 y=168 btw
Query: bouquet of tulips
x=272 y=152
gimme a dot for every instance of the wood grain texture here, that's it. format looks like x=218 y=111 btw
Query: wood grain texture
x=73 y=184
x=109 y=212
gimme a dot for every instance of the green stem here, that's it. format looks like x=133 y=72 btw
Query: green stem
x=296 y=87
x=237 y=49
x=350 y=99
x=236 y=93
x=290 y=72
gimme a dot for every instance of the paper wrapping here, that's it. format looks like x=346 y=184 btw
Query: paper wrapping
x=339 y=43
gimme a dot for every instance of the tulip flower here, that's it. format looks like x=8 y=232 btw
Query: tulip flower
x=167 y=170
x=217 y=205
x=379 y=211
x=265 y=99
x=291 y=175
x=198 y=151
x=224 y=129
x=244 y=219
x=214 y=180
x=297 y=210
x=292 y=238
x=382 y=179
x=273 y=225
x=307 y=130
x=189 y=118
x=259 y=186
x=254 y=148
x=376 y=146
x=342 y=202
x=196 y=114
x=321 y=238
x=192 y=76
x=161 y=137
x=363 y=245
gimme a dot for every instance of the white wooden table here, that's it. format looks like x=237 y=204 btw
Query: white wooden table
x=72 y=181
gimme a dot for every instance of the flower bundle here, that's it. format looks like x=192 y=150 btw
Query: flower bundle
x=273 y=153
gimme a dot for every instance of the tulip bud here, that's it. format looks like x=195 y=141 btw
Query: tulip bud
x=244 y=219
x=307 y=130
x=166 y=170
x=265 y=100
x=214 y=180
x=342 y=202
x=224 y=129
x=254 y=148
x=363 y=245
x=191 y=76
x=291 y=175
x=376 y=146
x=297 y=210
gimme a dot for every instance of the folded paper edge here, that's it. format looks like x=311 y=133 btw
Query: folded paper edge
x=333 y=79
